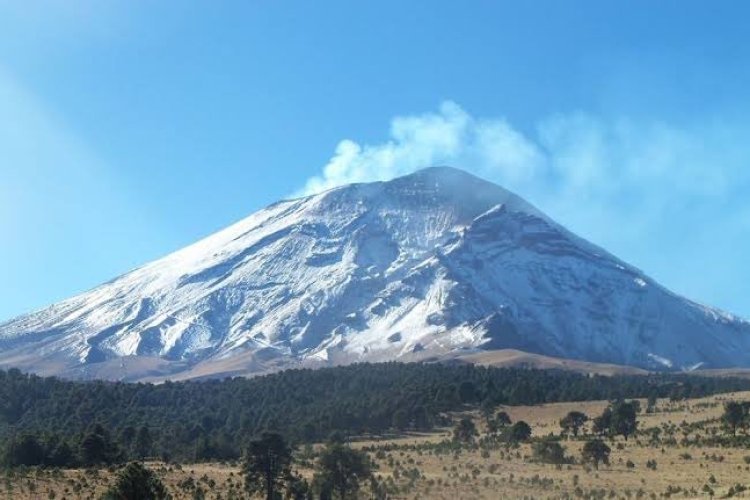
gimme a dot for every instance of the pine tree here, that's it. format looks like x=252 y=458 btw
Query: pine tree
x=267 y=465
x=595 y=451
x=573 y=421
x=341 y=469
x=136 y=482
x=143 y=442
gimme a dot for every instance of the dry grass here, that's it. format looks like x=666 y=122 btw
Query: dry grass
x=416 y=470
x=513 y=358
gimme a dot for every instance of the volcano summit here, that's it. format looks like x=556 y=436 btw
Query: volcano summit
x=419 y=267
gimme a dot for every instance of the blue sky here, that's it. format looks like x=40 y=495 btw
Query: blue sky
x=130 y=129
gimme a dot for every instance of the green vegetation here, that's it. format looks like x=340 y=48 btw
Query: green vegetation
x=52 y=422
x=465 y=431
x=619 y=418
x=469 y=462
x=595 y=452
x=519 y=432
x=549 y=452
x=267 y=466
x=572 y=422
x=499 y=422
x=341 y=470
x=136 y=482
x=736 y=416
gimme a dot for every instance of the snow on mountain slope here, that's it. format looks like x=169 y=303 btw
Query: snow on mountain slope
x=419 y=266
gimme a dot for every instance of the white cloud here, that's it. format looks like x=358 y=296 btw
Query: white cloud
x=449 y=137
x=652 y=192
x=571 y=158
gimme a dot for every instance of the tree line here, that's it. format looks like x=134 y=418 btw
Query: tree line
x=54 y=422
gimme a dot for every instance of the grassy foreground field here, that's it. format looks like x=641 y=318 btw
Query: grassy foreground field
x=417 y=466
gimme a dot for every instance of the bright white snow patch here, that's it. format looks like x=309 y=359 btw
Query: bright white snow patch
x=662 y=361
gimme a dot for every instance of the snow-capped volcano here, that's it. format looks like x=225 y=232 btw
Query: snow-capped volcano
x=417 y=267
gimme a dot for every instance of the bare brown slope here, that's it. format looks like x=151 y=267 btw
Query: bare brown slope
x=520 y=359
x=146 y=369
x=248 y=364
